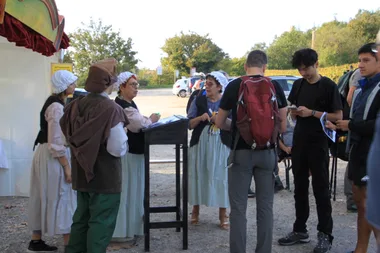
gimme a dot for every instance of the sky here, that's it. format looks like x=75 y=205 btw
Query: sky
x=235 y=26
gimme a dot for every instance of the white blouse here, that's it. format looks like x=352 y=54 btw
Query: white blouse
x=137 y=121
x=56 y=139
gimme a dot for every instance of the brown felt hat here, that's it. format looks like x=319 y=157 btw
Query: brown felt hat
x=101 y=75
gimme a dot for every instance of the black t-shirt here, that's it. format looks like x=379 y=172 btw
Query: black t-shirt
x=229 y=102
x=322 y=96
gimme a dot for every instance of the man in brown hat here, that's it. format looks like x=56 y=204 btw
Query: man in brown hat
x=94 y=128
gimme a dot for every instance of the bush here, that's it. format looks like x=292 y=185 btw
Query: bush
x=143 y=82
x=334 y=72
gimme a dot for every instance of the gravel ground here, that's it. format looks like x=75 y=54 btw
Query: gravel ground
x=207 y=237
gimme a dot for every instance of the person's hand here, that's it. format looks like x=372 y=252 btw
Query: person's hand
x=205 y=117
x=342 y=125
x=288 y=150
x=213 y=118
x=68 y=178
x=154 y=117
x=330 y=125
x=303 y=112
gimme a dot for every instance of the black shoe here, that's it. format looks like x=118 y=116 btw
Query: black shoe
x=352 y=208
x=40 y=246
x=278 y=186
x=294 y=238
x=251 y=194
x=324 y=243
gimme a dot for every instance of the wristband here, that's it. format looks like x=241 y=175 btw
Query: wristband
x=313 y=113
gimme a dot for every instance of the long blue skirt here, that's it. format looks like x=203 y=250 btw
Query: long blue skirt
x=208 y=173
x=130 y=217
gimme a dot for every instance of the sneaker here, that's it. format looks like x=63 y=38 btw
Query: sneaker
x=40 y=246
x=324 y=243
x=352 y=208
x=251 y=194
x=294 y=238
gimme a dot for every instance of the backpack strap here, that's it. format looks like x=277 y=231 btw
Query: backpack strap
x=354 y=96
x=370 y=99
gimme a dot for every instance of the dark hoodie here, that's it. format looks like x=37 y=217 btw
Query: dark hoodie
x=86 y=123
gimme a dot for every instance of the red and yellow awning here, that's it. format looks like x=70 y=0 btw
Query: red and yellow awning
x=34 y=24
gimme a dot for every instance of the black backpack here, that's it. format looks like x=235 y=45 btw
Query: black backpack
x=338 y=148
x=191 y=98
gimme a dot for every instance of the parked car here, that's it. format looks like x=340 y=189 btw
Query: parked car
x=286 y=82
x=181 y=88
x=77 y=93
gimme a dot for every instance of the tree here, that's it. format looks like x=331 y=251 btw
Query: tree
x=259 y=46
x=191 y=50
x=95 y=41
x=281 y=50
x=336 y=44
x=365 y=25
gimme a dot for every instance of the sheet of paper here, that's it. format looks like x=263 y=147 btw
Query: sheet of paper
x=167 y=120
x=330 y=133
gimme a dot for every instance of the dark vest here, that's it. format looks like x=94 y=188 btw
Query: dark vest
x=201 y=103
x=42 y=136
x=107 y=168
x=135 y=140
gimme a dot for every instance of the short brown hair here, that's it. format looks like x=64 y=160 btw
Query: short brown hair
x=256 y=58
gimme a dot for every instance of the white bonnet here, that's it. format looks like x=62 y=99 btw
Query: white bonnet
x=124 y=77
x=220 y=77
x=61 y=80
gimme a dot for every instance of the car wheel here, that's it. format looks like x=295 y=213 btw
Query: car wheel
x=182 y=93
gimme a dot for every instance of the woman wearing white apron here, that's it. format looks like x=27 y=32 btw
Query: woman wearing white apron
x=52 y=201
x=208 y=153
x=130 y=217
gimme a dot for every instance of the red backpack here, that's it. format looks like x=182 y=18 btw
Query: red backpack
x=258 y=120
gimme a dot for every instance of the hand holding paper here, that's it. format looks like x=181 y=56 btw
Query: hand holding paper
x=330 y=133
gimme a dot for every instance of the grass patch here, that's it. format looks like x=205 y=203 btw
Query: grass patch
x=156 y=86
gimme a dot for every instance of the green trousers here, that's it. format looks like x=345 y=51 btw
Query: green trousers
x=93 y=222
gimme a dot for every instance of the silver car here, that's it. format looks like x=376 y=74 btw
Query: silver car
x=286 y=82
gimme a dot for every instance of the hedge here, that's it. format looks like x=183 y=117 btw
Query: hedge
x=333 y=72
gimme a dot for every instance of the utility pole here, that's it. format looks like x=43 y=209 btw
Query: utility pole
x=313 y=39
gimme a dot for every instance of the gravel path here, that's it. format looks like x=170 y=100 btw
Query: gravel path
x=207 y=237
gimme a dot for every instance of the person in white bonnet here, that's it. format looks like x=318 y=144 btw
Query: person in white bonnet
x=131 y=211
x=209 y=149
x=52 y=201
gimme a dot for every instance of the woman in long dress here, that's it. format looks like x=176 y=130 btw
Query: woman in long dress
x=52 y=201
x=130 y=217
x=208 y=153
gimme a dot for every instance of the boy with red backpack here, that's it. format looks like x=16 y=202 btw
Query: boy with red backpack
x=258 y=114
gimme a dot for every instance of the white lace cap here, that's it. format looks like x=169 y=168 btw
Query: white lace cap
x=124 y=77
x=61 y=80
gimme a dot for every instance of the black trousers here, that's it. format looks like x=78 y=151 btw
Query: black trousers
x=314 y=156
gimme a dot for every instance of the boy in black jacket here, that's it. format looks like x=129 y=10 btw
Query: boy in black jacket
x=365 y=106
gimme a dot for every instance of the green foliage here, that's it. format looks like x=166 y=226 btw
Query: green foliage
x=333 y=72
x=281 y=50
x=95 y=41
x=149 y=77
x=185 y=51
x=332 y=44
x=259 y=46
x=365 y=25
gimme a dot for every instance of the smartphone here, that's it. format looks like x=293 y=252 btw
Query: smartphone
x=292 y=107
